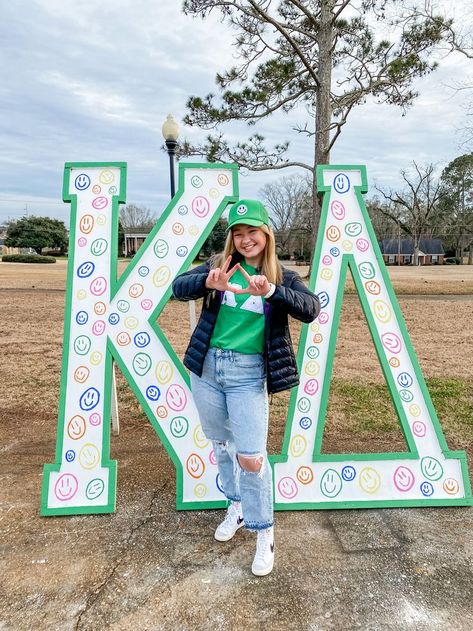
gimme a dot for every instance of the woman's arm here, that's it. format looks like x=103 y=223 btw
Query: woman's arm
x=296 y=299
x=191 y=284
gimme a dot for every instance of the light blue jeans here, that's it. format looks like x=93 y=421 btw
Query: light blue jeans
x=232 y=401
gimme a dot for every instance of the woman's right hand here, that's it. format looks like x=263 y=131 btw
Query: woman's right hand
x=218 y=277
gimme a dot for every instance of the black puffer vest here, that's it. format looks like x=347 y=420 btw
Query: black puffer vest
x=290 y=298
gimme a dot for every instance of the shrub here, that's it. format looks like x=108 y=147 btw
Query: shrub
x=27 y=258
x=452 y=260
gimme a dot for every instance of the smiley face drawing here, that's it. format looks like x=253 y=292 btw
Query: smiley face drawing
x=66 y=487
x=331 y=483
x=195 y=466
x=305 y=475
x=288 y=488
x=369 y=480
x=89 y=456
x=200 y=206
x=403 y=479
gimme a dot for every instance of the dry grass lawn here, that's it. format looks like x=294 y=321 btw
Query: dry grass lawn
x=360 y=415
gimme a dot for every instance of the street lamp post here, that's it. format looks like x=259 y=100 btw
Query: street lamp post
x=170 y=131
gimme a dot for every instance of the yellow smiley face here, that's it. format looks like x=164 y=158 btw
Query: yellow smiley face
x=347 y=245
x=96 y=358
x=193 y=230
x=312 y=368
x=161 y=276
x=369 y=480
x=81 y=294
x=381 y=311
x=326 y=273
x=164 y=371
x=131 y=322
x=298 y=445
x=200 y=439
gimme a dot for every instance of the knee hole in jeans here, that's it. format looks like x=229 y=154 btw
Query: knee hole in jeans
x=251 y=464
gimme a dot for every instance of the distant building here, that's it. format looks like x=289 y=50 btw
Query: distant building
x=3 y=247
x=132 y=242
x=401 y=251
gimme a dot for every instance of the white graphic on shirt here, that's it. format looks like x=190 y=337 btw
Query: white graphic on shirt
x=253 y=303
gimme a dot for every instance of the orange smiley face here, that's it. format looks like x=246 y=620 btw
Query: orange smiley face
x=333 y=233
x=81 y=374
x=305 y=475
x=123 y=339
x=86 y=224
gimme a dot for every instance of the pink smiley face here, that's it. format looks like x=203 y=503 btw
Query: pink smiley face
x=95 y=419
x=99 y=203
x=66 y=487
x=323 y=317
x=403 y=479
x=81 y=242
x=391 y=342
x=212 y=458
x=419 y=428
x=200 y=206
x=98 y=286
x=327 y=260
x=362 y=245
x=338 y=209
x=176 y=397
x=98 y=327
x=288 y=488
x=311 y=387
x=146 y=304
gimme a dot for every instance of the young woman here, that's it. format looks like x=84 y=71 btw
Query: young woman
x=241 y=350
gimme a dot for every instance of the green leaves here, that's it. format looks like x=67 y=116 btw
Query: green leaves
x=37 y=233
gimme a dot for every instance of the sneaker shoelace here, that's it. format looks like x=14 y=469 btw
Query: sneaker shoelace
x=263 y=544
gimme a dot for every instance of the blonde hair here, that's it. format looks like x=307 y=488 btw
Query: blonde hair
x=270 y=265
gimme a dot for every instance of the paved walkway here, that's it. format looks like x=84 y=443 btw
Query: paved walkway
x=150 y=567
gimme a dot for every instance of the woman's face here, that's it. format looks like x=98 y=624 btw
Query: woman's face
x=249 y=241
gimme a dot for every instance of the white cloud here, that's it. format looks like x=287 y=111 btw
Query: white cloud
x=91 y=81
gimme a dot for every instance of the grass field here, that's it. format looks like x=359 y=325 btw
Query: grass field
x=360 y=416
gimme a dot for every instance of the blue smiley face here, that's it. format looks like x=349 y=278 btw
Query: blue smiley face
x=305 y=422
x=348 y=473
x=341 y=183
x=85 y=270
x=324 y=299
x=143 y=271
x=153 y=393
x=334 y=251
x=82 y=317
x=181 y=251
x=182 y=210
x=70 y=455
x=405 y=380
x=90 y=399
x=82 y=182
x=142 y=339
x=426 y=489
x=218 y=483
x=114 y=318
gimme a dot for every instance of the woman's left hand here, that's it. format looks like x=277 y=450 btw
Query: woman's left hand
x=258 y=285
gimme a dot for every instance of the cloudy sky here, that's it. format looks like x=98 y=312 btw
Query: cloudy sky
x=94 y=81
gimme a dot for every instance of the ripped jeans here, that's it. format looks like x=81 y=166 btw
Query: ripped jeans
x=232 y=401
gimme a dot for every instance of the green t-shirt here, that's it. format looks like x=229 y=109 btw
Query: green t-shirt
x=240 y=321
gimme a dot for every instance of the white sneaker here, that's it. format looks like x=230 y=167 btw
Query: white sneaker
x=264 y=557
x=232 y=522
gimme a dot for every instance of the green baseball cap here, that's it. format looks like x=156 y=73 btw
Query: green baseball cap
x=248 y=211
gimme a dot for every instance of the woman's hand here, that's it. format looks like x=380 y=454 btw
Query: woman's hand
x=218 y=278
x=258 y=285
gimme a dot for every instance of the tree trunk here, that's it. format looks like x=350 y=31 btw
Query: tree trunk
x=323 y=111
x=470 y=255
